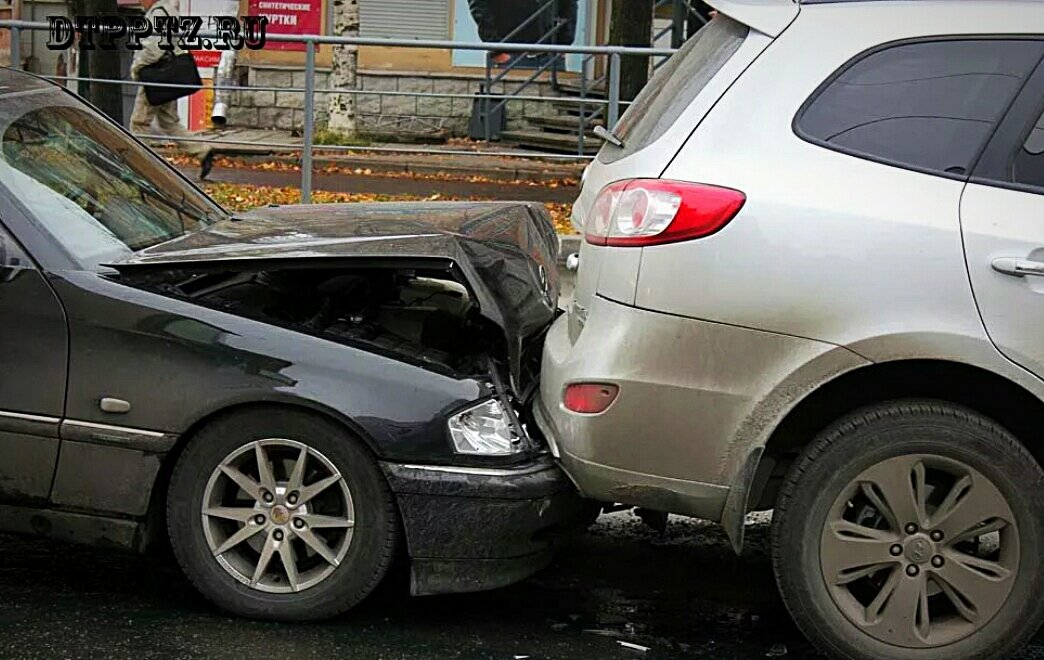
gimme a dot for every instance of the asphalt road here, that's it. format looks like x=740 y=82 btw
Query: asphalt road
x=680 y=595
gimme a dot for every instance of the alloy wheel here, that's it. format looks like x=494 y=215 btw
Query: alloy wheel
x=278 y=516
x=920 y=551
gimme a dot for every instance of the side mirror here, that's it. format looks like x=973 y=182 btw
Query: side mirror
x=3 y=252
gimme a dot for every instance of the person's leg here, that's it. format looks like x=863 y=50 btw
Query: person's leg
x=143 y=114
x=167 y=118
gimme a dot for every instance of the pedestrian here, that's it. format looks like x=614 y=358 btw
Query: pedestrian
x=166 y=114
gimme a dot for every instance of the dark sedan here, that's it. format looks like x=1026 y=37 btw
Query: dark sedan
x=292 y=396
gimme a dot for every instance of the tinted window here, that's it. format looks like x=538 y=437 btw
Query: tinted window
x=1027 y=167
x=675 y=85
x=928 y=105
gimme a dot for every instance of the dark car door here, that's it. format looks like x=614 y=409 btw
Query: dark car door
x=33 y=356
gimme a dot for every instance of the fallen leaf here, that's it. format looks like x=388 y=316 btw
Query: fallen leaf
x=239 y=197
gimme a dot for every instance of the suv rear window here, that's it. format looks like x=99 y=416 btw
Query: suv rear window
x=927 y=106
x=675 y=85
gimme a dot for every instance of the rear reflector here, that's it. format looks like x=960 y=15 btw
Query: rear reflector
x=589 y=398
x=643 y=212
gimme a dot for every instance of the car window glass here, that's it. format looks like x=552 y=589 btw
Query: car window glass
x=675 y=85
x=99 y=193
x=1028 y=164
x=928 y=106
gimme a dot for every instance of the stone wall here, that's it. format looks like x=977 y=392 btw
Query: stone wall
x=376 y=113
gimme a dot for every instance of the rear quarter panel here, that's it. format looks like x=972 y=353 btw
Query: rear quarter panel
x=828 y=247
x=613 y=273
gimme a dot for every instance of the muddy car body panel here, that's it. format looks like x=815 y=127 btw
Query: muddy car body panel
x=145 y=314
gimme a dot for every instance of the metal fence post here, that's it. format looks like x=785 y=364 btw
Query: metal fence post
x=583 y=108
x=487 y=103
x=16 y=47
x=614 y=91
x=309 y=123
x=556 y=57
x=679 y=16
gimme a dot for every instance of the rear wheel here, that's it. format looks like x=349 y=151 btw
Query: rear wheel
x=277 y=514
x=913 y=530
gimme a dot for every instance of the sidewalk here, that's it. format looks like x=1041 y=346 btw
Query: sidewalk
x=488 y=165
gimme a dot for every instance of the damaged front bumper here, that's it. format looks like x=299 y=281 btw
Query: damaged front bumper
x=471 y=529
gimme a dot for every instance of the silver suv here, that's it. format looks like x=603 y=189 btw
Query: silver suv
x=811 y=281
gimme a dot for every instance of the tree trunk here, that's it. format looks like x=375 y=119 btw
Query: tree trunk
x=107 y=97
x=344 y=67
x=630 y=24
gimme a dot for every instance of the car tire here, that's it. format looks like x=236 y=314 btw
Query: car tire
x=334 y=565
x=829 y=536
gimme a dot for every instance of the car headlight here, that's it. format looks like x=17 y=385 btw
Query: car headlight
x=484 y=429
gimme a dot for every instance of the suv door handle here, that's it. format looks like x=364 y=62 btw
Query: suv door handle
x=1018 y=267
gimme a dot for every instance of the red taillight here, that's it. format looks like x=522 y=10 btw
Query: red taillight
x=642 y=212
x=589 y=398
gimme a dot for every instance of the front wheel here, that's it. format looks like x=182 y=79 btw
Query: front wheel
x=277 y=514
x=913 y=531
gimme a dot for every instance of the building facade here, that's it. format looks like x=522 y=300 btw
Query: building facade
x=409 y=70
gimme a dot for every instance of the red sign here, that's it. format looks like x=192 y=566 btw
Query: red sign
x=205 y=58
x=288 y=17
x=200 y=106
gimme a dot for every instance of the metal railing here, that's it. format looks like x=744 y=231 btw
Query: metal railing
x=491 y=110
x=611 y=105
x=683 y=14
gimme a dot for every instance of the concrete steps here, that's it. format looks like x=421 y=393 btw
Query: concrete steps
x=552 y=141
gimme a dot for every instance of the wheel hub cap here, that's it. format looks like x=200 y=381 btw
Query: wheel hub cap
x=919 y=551
x=278 y=516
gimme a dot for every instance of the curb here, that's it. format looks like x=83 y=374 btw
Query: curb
x=490 y=171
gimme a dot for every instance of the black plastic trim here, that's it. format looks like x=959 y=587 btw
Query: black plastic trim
x=997 y=161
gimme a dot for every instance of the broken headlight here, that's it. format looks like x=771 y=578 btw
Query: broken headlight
x=484 y=429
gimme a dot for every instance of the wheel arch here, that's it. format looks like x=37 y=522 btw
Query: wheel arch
x=1011 y=405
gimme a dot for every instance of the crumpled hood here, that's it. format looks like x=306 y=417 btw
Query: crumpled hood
x=507 y=252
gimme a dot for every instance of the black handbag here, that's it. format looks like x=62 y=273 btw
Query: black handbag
x=170 y=70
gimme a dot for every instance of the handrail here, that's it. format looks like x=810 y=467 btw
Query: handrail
x=320 y=90
x=511 y=66
x=532 y=17
x=536 y=74
x=488 y=110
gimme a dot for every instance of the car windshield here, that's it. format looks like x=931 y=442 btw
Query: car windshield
x=99 y=193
